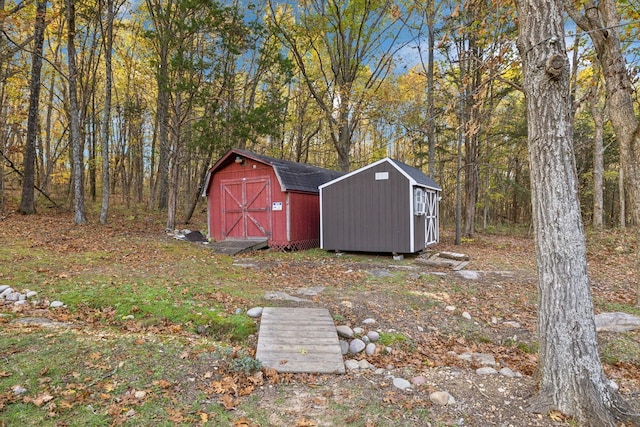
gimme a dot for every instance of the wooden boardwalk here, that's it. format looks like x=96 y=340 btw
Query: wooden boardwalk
x=299 y=340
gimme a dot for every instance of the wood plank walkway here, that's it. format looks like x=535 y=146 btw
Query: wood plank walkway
x=234 y=247
x=299 y=340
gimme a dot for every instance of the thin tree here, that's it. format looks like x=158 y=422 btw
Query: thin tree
x=106 y=119
x=74 y=119
x=569 y=372
x=27 y=202
x=597 y=112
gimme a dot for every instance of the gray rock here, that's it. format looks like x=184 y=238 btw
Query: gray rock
x=20 y=302
x=13 y=296
x=388 y=350
x=364 y=364
x=244 y=265
x=344 y=347
x=370 y=349
x=373 y=336
x=468 y=274
x=420 y=328
x=238 y=311
x=511 y=324
x=616 y=322
x=344 y=331
x=380 y=273
x=352 y=365
x=56 y=304
x=418 y=381
x=366 y=339
x=466 y=315
x=369 y=321
x=450 y=308
x=310 y=292
x=6 y=291
x=42 y=321
x=441 y=398
x=507 y=372
x=486 y=371
x=356 y=345
x=19 y=389
x=358 y=331
x=3 y=288
x=613 y=386
x=255 y=312
x=401 y=383
x=481 y=358
x=278 y=295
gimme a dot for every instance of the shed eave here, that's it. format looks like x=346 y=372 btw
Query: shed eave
x=352 y=173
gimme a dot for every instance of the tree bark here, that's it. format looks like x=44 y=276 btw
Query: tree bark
x=106 y=118
x=74 y=119
x=27 y=202
x=571 y=378
x=623 y=204
x=598 y=159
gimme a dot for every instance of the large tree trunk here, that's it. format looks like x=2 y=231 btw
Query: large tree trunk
x=106 y=118
x=601 y=22
x=27 y=202
x=571 y=378
x=74 y=119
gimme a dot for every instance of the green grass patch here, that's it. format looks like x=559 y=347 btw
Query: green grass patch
x=391 y=338
x=91 y=379
x=620 y=347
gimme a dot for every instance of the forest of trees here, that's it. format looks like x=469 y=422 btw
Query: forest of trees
x=132 y=102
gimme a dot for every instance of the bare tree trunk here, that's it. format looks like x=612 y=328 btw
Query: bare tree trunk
x=571 y=378
x=106 y=118
x=598 y=159
x=74 y=119
x=431 y=137
x=623 y=204
x=27 y=202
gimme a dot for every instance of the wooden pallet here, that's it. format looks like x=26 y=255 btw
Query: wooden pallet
x=299 y=340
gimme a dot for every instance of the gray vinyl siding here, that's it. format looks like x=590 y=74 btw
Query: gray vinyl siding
x=360 y=213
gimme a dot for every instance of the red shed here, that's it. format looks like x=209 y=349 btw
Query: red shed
x=251 y=196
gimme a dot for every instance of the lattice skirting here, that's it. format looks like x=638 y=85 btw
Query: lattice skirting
x=298 y=245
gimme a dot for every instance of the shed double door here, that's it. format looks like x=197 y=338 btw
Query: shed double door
x=246 y=208
x=431 y=218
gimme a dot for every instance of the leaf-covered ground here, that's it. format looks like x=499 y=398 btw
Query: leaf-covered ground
x=154 y=336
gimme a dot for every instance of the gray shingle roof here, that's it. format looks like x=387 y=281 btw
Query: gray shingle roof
x=417 y=175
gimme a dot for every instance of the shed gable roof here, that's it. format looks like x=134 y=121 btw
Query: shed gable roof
x=292 y=176
x=414 y=175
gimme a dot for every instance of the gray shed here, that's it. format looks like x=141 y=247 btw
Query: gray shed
x=386 y=206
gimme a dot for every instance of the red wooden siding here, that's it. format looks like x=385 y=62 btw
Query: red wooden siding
x=245 y=201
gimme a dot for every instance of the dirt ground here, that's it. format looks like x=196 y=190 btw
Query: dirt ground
x=438 y=313
x=419 y=302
